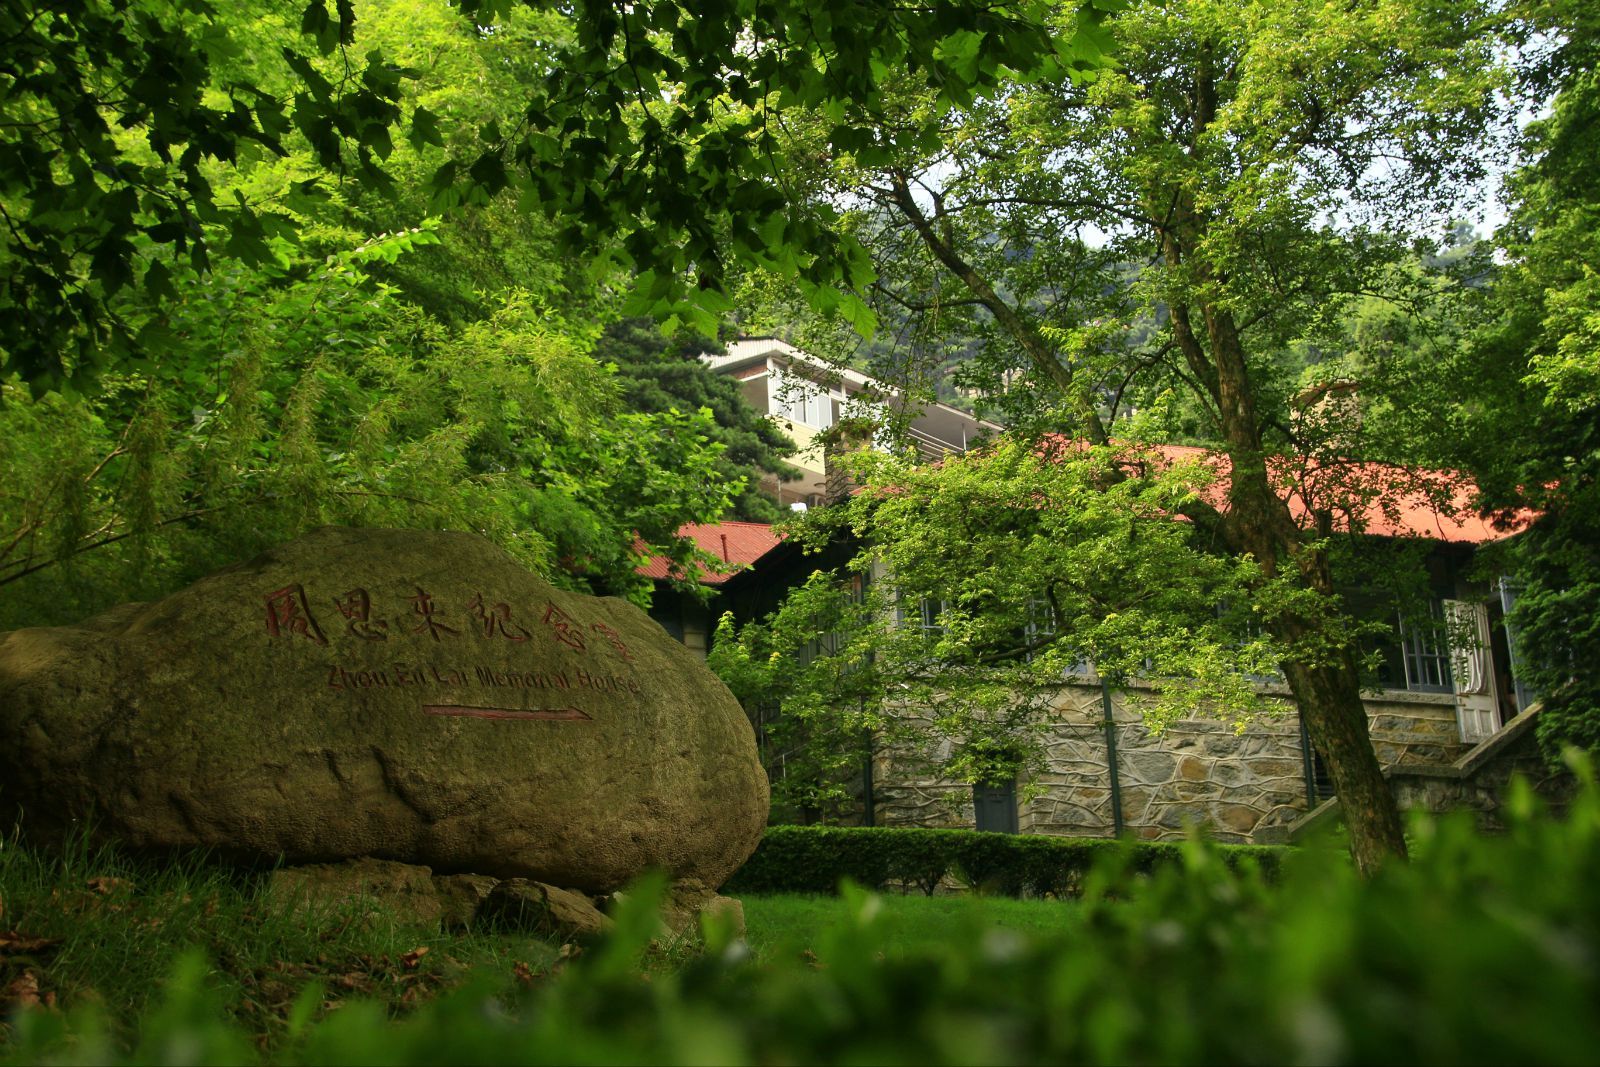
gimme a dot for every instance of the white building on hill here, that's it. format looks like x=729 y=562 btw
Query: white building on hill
x=805 y=396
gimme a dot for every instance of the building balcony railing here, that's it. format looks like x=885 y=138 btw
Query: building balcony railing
x=931 y=449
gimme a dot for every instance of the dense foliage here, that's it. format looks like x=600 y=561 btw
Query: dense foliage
x=326 y=351
x=815 y=859
x=1176 y=248
x=330 y=399
x=1480 y=950
x=1527 y=402
x=658 y=375
x=115 y=118
x=646 y=133
x=976 y=586
x=1493 y=369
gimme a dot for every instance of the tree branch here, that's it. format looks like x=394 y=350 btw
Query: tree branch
x=1038 y=351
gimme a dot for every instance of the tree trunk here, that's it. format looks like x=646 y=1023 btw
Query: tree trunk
x=1330 y=705
x=1326 y=682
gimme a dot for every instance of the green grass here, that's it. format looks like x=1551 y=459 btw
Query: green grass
x=1482 y=949
x=783 y=925
x=115 y=928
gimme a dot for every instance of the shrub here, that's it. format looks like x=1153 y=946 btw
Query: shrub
x=813 y=859
x=1481 y=950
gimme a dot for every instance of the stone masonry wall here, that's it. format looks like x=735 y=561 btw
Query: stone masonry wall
x=1241 y=786
x=1480 y=783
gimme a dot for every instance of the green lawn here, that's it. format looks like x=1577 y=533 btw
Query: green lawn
x=95 y=927
x=787 y=924
x=1199 y=962
x=91 y=927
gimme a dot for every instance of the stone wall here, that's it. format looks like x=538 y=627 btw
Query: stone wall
x=1478 y=782
x=1242 y=786
x=1415 y=729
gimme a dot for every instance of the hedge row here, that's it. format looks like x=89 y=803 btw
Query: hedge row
x=812 y=859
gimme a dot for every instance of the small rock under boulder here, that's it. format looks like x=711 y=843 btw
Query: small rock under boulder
x=405 y=695
x=460 y=897
x=686 y=901
x=403 y=892
x=391 y=890
x=545 y=910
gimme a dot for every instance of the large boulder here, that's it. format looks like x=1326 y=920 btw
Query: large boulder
x=407 y=695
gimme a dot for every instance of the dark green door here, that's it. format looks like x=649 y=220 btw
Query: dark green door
x=996 y=806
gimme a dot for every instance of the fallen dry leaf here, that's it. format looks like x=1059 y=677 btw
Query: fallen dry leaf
x=523 y=972
x=106 y=885
x=16 y=943
x=410 y=959
x=24 y=993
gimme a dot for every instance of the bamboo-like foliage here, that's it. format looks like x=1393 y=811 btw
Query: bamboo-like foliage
x=331 y=400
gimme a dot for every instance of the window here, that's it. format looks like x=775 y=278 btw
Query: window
x=1425 y=652
x=1250 y=628
x=670 y=620
x=1412 y=650
x=1041 y=625
x=922 y=615
x=802 y=401
x=1525 y=694
x=1319 y=783
x=818 y=411
x=833 y=633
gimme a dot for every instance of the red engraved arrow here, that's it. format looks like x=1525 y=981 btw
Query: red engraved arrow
x=457 y=710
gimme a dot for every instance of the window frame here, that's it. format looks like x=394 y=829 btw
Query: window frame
x=1425 y=653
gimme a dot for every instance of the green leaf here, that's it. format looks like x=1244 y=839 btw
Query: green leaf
x=317 y=24
x=158 y=281
x=376 y=137
x=424 y=129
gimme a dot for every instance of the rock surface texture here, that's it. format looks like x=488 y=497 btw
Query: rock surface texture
x=382 y=886
x=405 y=695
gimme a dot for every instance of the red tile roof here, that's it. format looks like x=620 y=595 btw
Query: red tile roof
x=737 y=544
x=1372 y=498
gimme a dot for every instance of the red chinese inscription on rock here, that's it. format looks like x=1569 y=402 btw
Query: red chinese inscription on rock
x=422 y=604
x=288 y=613
x=612 y=636
x=566 y=630
x=496 y=619
x=356 y=607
